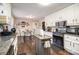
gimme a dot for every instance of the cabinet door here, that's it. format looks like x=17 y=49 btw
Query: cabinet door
x=76 y=14
x=67 y=44
x=76 y=47
x=73 y=38
x=70 y=15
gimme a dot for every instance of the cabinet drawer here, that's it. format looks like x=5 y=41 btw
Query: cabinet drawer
x=66 y=37
x=70 y=38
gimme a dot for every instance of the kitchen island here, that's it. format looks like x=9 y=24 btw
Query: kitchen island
x=37 y=46
x=41 y=43
x=5 y=44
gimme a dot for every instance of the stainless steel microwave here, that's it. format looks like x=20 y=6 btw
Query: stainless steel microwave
x=61 y=30
x=73 y=30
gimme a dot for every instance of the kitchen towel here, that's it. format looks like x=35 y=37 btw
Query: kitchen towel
x=47 y=44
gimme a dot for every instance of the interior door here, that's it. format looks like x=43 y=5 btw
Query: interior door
x=43 y=26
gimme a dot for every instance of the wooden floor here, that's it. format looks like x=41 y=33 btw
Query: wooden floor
x=28 y=48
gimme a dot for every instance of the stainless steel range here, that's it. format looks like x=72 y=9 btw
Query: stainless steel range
x=58 y=39
x=59 y=35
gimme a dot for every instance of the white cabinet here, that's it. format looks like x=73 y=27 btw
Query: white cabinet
x=71 y=43
x=72 y=15
x=76 y=47
x=69 y=15
x=76 y=14
x=67 y=44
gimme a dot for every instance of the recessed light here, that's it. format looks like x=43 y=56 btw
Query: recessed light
x=30 y=16
x=44 y=4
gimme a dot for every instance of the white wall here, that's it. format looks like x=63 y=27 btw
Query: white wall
x=9 y=15
x=6 y=7
x=64 y=14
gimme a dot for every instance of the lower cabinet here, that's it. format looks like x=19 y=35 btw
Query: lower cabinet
x=71 y=45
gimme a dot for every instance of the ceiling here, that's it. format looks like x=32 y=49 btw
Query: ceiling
x=35 y=9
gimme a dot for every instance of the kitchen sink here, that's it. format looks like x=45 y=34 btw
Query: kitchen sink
x=6 y=33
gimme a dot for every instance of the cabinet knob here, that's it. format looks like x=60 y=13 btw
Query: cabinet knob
x=77 y=39
x=73 y=44
x=70 y=43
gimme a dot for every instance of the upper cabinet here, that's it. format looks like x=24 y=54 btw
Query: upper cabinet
x=73 y=15
x=66 y=14
x=76 y=14
x=5 y=9
x=69 y=14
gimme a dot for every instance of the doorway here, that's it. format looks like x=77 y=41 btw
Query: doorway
x=43 y=25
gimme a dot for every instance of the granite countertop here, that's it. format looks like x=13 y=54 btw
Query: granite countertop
x=45 y=37
x=72 y=34
x=5 y=43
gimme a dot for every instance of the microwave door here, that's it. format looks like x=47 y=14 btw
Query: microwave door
x=71 y=30
x=74 y=31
